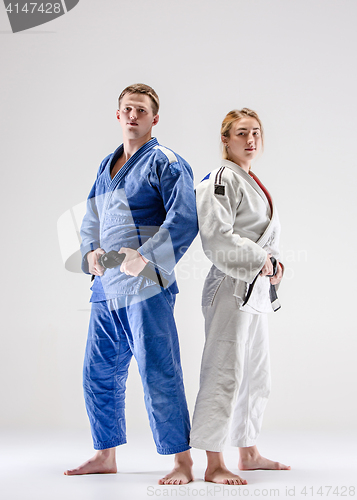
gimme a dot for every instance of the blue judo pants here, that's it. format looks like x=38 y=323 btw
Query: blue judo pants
x=119 y=329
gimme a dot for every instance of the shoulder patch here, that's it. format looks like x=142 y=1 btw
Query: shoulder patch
x=207 y=177
x=170 y=155
x=219 y=188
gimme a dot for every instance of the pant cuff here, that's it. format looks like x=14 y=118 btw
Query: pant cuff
x=243 y=443
x=172 y=451
x=98 y=445
x=206 y=446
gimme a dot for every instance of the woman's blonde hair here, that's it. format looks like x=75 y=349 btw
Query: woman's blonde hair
x=233 y=116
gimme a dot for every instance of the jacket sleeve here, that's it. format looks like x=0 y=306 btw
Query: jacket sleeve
x=174 y=180
x=237 y=256
x=90 y=229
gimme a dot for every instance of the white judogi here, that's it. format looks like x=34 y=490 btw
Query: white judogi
x=238 y=228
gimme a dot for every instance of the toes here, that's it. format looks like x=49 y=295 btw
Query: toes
x=170 y=480
x=241 y=481
x=234 y=481
x=282 y=466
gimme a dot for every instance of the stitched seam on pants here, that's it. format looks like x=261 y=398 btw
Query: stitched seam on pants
x=248 y=391
x=114 y=391
x=174 y=367
x=248 y=350
x=115 y=374
x=216 y=290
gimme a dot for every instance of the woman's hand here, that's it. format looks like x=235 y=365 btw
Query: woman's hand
x=268 y=270
x=274 y=280
x=268 y=267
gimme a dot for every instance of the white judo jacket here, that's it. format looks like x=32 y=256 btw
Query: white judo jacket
x=239 y=226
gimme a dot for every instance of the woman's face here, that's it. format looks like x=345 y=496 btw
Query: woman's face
x=244 y=141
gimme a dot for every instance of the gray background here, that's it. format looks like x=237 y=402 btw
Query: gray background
x=294 y=63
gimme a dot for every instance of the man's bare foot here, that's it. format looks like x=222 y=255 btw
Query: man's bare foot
x=251 y=459
x=182 y=471
x=103 y=462
x=217 y=471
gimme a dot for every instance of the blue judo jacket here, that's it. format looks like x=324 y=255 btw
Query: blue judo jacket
x=149 y=206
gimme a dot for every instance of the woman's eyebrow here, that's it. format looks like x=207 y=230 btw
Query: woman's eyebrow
x=242 y=128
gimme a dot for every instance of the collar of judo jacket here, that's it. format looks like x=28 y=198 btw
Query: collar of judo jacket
x=253 y=181
x=132 y=160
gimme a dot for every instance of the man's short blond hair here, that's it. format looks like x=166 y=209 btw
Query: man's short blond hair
x=141 y=88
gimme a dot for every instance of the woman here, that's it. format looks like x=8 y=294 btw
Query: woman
x=239 y=229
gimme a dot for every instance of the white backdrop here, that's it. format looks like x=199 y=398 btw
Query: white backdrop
x=291 y=61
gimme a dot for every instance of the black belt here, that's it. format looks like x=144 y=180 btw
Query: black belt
x=272 y=290
x=114 y=259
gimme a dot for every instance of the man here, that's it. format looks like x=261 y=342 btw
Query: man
x=142 y=204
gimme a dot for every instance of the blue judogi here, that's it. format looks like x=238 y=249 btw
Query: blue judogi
x=149 y=206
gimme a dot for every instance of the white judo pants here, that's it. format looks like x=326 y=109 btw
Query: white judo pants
x=235 y=374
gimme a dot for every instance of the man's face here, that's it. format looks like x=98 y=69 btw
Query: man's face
x=136 y=116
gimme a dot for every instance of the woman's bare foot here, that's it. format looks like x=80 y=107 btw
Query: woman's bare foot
x=103 y=462
x=182 y=471
x=223 y=476
x=217 y=471
x=251 y=459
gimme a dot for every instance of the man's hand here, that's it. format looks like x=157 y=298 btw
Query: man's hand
x=268 y=267
x=93 y=266
x=133 y=263
x=274 y=280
